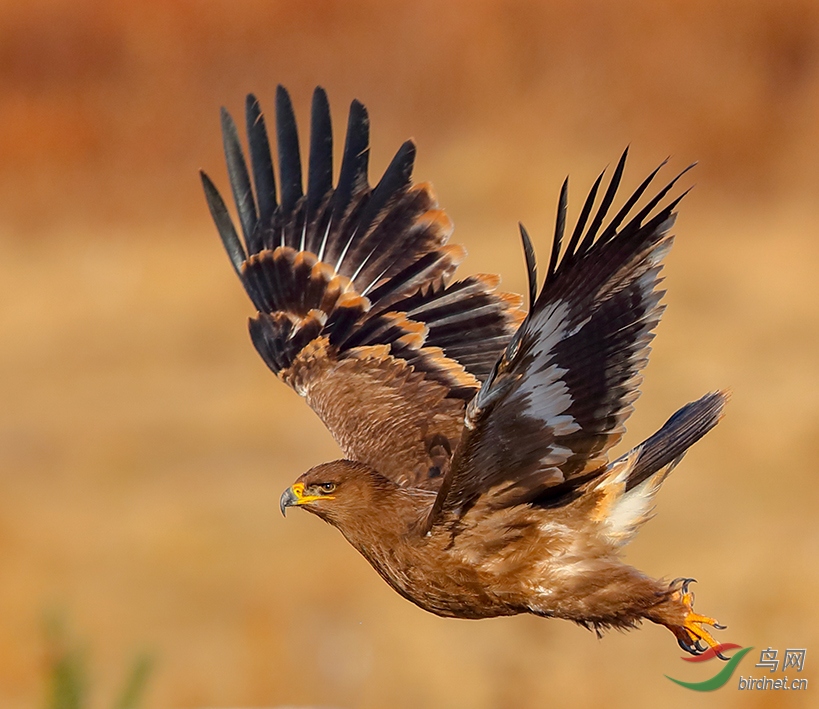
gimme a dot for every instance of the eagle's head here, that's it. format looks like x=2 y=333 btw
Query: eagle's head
x=341 y=492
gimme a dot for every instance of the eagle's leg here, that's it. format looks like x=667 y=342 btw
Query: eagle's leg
x=678 y=615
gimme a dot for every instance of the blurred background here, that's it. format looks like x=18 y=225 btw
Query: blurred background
x=143 y=443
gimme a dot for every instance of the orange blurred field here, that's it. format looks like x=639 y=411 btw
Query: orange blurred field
x=143 y=443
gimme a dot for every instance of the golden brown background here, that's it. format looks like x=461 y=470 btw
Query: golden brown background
x=143 y=444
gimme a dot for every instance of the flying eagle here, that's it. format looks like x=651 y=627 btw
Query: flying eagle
x=476 y=478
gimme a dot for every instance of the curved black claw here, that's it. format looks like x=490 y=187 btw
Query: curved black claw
x=686 y=584
x=721 y=656
x=694 y=649
x=720 y=627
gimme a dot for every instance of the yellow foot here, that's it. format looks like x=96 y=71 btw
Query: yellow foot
x=691 y=635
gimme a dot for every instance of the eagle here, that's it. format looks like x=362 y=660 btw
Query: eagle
x=476 y=432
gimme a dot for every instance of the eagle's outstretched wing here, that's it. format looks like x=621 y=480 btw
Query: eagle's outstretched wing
x=352 y=285
x=556 y=401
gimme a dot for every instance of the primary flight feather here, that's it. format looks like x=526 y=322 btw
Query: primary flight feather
x=476 y=477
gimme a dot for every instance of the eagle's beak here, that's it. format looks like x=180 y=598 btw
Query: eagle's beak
x=287 y=499
x=296 y=495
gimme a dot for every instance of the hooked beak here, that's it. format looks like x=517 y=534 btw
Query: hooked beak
x=295 y=495
x=288 y=498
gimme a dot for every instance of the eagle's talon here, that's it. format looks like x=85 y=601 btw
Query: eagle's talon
x=692 y=635
x=691 y=649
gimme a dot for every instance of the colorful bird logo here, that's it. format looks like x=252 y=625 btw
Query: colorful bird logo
x=721 y=678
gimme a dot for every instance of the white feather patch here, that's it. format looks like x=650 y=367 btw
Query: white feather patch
x=628 y=511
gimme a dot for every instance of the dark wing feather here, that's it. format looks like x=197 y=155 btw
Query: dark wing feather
x=462 y=319
x=557 y=399
x=239 y=179
x=287 y=138
x=356 y=311
x=320 y=174
x=352 y=178
x=260 y=159
x=531 y=265
x=224 y=224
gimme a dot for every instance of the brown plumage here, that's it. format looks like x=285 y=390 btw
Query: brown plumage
x=476 y=478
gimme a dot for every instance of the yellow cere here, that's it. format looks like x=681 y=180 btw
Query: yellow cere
x=302 y=499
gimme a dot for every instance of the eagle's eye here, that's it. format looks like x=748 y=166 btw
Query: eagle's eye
x=327 y=488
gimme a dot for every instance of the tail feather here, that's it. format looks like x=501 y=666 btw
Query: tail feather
x=633 y=481
x=677 y=435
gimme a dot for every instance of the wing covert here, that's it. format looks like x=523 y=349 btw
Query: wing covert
x=352 y=283
x=558 y=397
